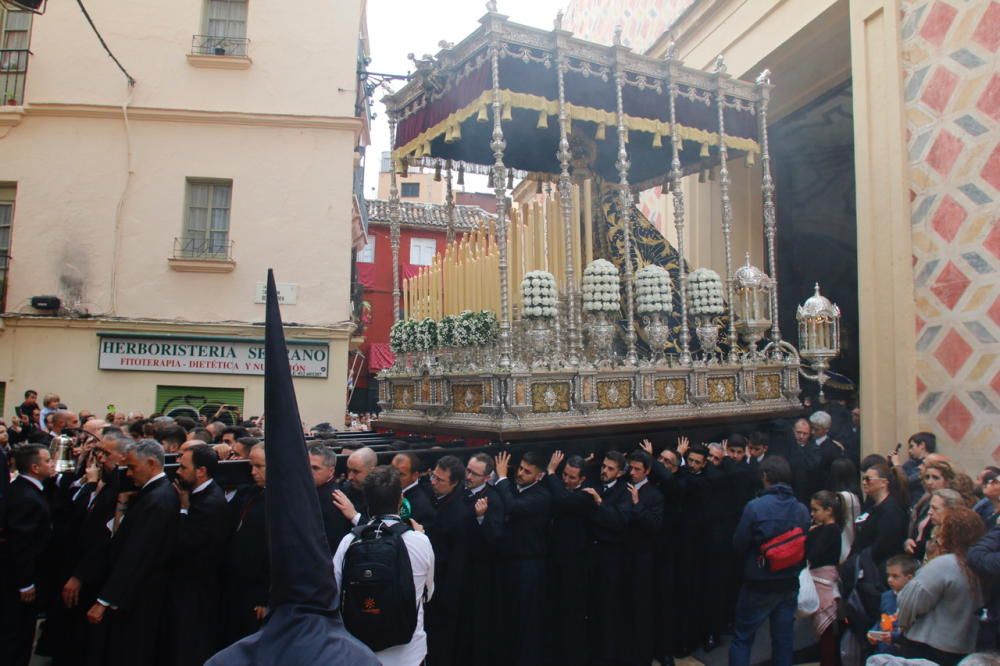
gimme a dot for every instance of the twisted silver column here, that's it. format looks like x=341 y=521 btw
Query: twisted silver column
x=727 y=208
x=625 y=209
x=767 y=190
x=394 y=221
x=499 y=187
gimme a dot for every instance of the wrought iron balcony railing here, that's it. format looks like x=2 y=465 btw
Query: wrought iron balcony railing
x=220 y=46
x=13 y=74
x=199 y=247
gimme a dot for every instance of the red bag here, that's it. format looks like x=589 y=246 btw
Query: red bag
x=784 y=551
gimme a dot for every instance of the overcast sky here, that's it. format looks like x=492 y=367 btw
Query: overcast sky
x=396 y=28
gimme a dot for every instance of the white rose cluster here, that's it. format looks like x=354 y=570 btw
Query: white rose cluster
x=538 y=292
x=601 y=287
x=705 y=292
x=652 y=290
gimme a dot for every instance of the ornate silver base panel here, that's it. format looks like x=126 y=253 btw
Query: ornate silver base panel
x=566 y=400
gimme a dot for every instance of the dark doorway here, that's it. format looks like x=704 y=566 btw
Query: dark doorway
x=813 y=164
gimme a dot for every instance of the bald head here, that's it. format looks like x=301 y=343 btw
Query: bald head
x=65 y=420
x=94 y=427
x=359 y=464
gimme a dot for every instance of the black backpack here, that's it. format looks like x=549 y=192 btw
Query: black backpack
x=378 y=600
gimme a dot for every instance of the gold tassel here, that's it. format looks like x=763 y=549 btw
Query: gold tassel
x=543 y=120
x=704 y=150
x=456 y=132
x=461 y=174
x=506 y=114
x=448 y=135
x=437 y=172
x=510 y=179
x=750 y=159
x=657 y=140
x=601 y=132
x=483 y=116
x=627 y=132
x=404 y=167
x=427 y=149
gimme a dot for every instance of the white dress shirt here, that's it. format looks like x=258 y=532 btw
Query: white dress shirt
x=422 y=562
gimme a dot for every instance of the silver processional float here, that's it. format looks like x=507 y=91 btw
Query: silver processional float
x=571 y=311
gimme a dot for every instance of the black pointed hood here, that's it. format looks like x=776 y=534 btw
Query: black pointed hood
x=303 y=625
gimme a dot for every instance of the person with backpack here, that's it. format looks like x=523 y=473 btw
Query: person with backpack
x=771 y=538
x=385 y=572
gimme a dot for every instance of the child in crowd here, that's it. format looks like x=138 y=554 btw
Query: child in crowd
x=823 y=546
x=899 y=570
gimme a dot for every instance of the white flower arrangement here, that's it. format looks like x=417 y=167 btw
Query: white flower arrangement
x=425 y=335
x=446 y=330
x=705 y=293
x=601 y=287
x=474 y=329
x=402 y=336
x=652 y=290
x=539 y=294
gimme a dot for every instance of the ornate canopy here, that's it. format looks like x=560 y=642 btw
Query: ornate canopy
x=445 y=109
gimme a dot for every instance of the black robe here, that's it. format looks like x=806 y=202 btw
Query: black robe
x=28 y=530
x=645 y=522
x=136 y=582
x=695 y=623
x=667 y=573
x=421 y=507
x=247 y=573
x=450 y=539
x=195 y=569
x=569 y=556
x=335 y=524
x=481 y=589
x=608 y=524
x=523 y=570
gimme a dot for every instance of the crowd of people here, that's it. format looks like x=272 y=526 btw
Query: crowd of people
x=615 y=557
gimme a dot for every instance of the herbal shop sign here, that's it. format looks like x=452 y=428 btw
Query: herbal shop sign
x=217 y=356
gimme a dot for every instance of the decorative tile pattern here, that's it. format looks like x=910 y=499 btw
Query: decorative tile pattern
x=952 y=102
x=615 y=394
x=550 y=397
x=466 y=398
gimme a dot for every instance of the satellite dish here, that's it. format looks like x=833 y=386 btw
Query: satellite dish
x=33 y=6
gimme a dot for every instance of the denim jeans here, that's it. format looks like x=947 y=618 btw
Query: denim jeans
x=752 y=608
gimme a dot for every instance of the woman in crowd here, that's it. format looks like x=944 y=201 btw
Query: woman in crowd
x=844 y=482
x=823 y=545
x=882 y=526
x=938 y=608
x=937 y=503
x=989 y=507
x=936 y=476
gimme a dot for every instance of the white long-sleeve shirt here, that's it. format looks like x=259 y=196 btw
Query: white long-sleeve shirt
x=422 y=562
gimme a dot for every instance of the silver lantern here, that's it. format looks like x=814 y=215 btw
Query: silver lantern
x=752 y=303
x=819 y=335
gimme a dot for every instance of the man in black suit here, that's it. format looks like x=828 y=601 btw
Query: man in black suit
x=246 y=579
x=350 y=499
x=94 y=506
x=28 y=531
x=131 y=598
x=481 y=597
x=410 y=470
x=323 y=463
x=193 y=602
x=449 y=538
x=645 y=522
x=528 y=507
x=827 y=448
x=698 y=478
x=608 y=526
x=569 y=557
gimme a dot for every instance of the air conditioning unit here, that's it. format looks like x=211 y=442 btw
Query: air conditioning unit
x=48 y=303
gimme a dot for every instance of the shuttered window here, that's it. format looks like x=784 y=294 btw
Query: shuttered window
x=197 y=400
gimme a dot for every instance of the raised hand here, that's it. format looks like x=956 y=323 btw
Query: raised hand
x=683 y=444
x=344 y=505
x=594 y=495
x=502 y=463
x=646 y=446
x=555 y=461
